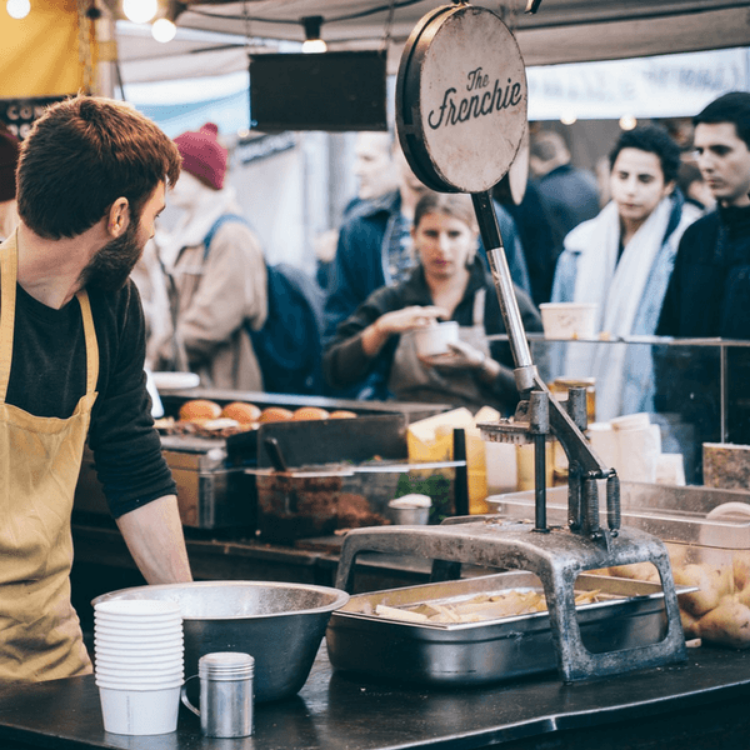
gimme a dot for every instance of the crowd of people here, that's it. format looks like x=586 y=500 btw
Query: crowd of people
x=383 y=275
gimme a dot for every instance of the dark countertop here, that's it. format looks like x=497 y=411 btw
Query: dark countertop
x=701 y=703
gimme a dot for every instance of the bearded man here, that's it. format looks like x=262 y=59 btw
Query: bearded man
x=90 y=184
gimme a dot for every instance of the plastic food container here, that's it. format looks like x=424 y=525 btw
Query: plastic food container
x=568 y=320
x=707 y=535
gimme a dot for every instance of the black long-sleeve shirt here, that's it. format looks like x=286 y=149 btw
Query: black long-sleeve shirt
x=48 y=377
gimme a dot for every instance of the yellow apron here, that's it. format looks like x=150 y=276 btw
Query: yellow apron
x=40 y=635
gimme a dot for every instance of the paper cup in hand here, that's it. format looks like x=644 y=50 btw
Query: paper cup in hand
x=568 y=320
x=434 y=339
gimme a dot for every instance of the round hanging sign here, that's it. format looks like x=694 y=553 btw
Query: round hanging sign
x=461 y=99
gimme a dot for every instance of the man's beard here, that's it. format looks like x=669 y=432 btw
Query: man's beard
x=109 y=269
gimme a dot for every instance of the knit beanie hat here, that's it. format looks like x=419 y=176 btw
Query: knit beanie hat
x=9 y=148
x=202 y=155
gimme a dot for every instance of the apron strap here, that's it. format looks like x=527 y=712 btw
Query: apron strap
x=480 y=299
x=8 y=275
x=92 y=346
x=8 y=280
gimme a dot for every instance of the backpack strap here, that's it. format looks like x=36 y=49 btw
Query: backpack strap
x=223 y=219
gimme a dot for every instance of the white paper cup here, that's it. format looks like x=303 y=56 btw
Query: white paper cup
x=139 y=640
x=434 y=340
x=107 y=657
x=175 y=669
x=639 y=421
x=568 y=320
x=140 y=678
x=140 y=712
x=103 y=657
x=137 y=607
x=138 y=622
x=138 y=682
x=134 y=632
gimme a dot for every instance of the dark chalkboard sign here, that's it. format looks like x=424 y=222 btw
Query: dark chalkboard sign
x=330 y=91
x=19 y=114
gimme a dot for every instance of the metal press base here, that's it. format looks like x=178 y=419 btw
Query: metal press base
x=557 y=558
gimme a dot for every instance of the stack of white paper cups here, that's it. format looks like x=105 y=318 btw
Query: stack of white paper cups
x=139 y=664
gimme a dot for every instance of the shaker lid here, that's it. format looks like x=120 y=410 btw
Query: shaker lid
x=226 y=665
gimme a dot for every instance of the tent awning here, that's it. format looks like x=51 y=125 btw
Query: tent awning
x=562 y=31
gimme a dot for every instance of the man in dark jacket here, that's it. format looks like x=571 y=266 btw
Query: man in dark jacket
x=571 y=193
x=709 y=292
x=557 y=199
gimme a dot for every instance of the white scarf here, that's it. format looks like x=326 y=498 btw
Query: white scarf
x=617 y=288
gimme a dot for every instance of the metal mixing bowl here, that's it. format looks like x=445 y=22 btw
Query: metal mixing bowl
x=280 y=624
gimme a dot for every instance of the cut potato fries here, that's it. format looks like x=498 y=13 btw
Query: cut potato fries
x=479 y=608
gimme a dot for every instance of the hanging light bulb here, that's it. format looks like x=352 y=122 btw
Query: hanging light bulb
x=568 y=118
x=313 y=42
x=628 y=122
x=18 y=9
x=140 y=11
x=163 y=30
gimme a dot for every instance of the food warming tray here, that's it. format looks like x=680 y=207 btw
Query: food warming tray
x=475 y=653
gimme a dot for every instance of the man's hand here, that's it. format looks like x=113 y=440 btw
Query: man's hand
x=154 y=537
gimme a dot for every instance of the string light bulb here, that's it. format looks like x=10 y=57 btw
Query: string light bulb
x=140 y=11
x=568 y=118
x=18 y=9
x=313 y=43
x=163 y=30
x=628 y=122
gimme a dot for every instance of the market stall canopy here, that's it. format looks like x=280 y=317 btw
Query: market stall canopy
x=561 y=31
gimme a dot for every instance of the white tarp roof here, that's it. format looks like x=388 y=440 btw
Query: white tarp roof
x=562 y=31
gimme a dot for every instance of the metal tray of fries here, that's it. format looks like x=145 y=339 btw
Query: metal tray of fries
x=485 y=629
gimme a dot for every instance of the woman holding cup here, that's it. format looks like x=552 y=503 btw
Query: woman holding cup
x=396 y=340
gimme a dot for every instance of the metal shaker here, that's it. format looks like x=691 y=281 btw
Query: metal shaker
x=226 y=694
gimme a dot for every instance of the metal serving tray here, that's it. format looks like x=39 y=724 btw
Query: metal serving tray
x=475 y=653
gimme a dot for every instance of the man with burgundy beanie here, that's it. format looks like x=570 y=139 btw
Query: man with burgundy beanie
x=218 y=270
x=9 y=149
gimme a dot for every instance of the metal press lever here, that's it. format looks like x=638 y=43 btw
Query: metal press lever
x=585 y=466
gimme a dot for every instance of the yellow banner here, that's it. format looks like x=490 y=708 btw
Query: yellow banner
x=40 y=53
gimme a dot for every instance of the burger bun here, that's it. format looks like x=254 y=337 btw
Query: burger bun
x=199 y=410
x=241 y=412
x=275 y=414
x=310 y=412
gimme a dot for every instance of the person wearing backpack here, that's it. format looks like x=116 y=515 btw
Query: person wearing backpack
x=217 y=272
